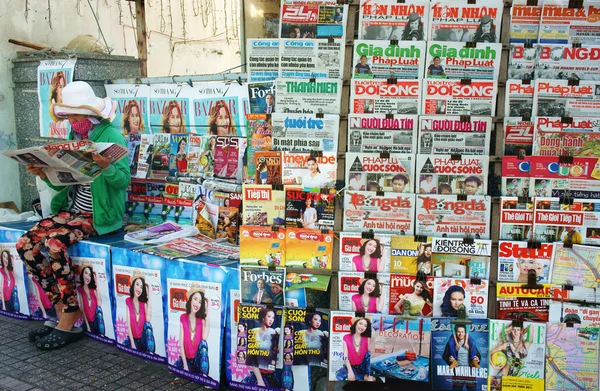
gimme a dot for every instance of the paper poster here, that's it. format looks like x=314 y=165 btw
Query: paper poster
x=19 y=299
x=132 y=107
x=169 y=109
x=53 y=76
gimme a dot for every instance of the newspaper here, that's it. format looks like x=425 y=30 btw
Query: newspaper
x=561 y=24
x=454 y=97
x=306 y=58
x=552 y=137
x=515 y=302
x=516 y=219
x=553 y=222
x=312 y=19
x=515 y=176
x=354 y=251
x=518 y=136
x=552 y=178
x=461 y=21
x=366 y=210
x=380 y=59
x=441 y=174
x=516 y=259
x=305 y=133
x=556 y=98
x=387 y=19
x=460 y=259
x=577 y=266
x=571 y=312
x=261 y=98
x=473 y=295
x=303 y=169
x=524 y=21
x=446 y=216
x=382 y=132
x=350 y=297
x=262 y=59
x=521 y=61
x=68 y=162
x=377 y=96
x=303 y=96
x=555 y=61
x=518 y=98
x=450 y=135
x=454 y=60
x=371 y=172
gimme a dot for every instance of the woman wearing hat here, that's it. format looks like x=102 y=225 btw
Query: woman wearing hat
x=78 y=211
x=193 y=333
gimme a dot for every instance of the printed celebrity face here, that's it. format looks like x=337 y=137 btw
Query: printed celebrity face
x=471 y=188
x=5 y=259
x=315 y=322
x=414 y=25
x=87 y=276
x=384 y=32
x=436 y=61
x=361 y=326
x=134 y=120
x=138 y=287
x=196 y=302
x=59 y=90
x=182 y=146
x=516 y=333
x=312 y=166
x=308 y=203
x=175 y=120
x=460 y=333
x=369 y=286
x=223 y=122
x=269 y=319
x=486 y=28
x=371 y=247
x=427 y=252
x=418 y=288
x=528 y=264
x=456 y=299
x=260 y=284
x=269 y=99
x=398 y=186
x=363 y=60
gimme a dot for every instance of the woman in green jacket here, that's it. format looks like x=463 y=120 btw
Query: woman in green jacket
x=78 y=212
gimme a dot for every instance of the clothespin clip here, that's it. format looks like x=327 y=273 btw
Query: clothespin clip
x=400 y=1
x=565 y=159
x=465 y=118
x=420 y=238
x=421 y=276
x=315 y=153
x=566 y=198
x=456 y=157
x=330 y=40
x=393 y=42
x=567 y=287
x=468 y=240
x=532 y=3
x=271 y=268
x=566 y=120
x=534 y=244
x=471 y=2
x=384 y=154
x=312 y=80
x=392 y=79
x=475 y=281
x=310 y=310
x=277 y=186
x=461 y=197
x=576 y=45
x=573 y=82
x=269 y=306
x=521 y=154
x=526 y=116
x=324 y=190
x=568 y=243
x=320 y=115
x=274 y=228
x=368 y=234
x=389 y=116
x=379 y=192
x=532 y=281
x=524 y=200
x=462 y=313
x=465 y=82
x=575 y=4
x=370 y=275
x=471 y=44
x=518 y=321
x=528 y=44
x=239 y=80
x=359 y=314
x=526 y=81
x=325 y=231
x=406 y=311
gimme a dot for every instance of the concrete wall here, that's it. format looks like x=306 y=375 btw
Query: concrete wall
x=209 y=44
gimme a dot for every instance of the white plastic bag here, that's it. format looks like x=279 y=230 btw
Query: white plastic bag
x=46 y=195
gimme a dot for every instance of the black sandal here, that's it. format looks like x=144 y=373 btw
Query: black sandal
x=58 y=339
x=46 y=329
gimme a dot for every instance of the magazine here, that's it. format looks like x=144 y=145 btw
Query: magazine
x=577 y=266
x=262 y=205
x=306 y=58
x=365 y=292
x=392 y=133
x=381 y=59
x=411 y=296
x=268 y=167
x=68 y=162
x=228 y=224
x=312 y=210
x=451 y=372
x=310 y=170
x=387 y=20
x=259 y=336
x=229 y=156
x=516 y=302
x=201 y=155
x=258 y=127
x=302 y=96
x=450 y=293
x=378 y=96
x=515 y=176
x=556 y=98
x=450 y=135
x=309 y=248
x=516 y=218
x=262 y=59
x=462 y=21
x=306 y=337
x=369 y=254
x=262 y=285
x=380 y=212
x=178 y=248
x=552 y=137
x=441 y=174
x=314 y=19
x=133 y=145
x=132 y=104
x=454 y=60
x=446 y=216
x=178 y=154
x=524 y=22
x=184 y=211
x=516 y=355
x=521 y=61
x=305 y=133
x=452 y=97
x=410 y=256
x=455 y=258
x=555 y=61
x=518 y=100
x=372 y=172
x=154 y=156
x=554 y=221
x=574 y=351
x=561 y=24
x=516 y=259
x=580 y=178
x=151 y=234
x=575 y=294
x=262 y=246
x=400 y=347
x=261 y=98
x=564 y=312
x=518 y=136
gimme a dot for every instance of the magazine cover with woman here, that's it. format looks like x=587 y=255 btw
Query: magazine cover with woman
x=450 y=293
x=16 y=301
x=360 y=254
x=306 y=337
x=364 y=292
x=309 y=209
x=259 y=335
x=195 y=316
x=410 y=295
x=459 y=354
x=517 y=351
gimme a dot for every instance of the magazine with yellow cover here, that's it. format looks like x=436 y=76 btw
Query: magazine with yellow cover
x=263 y=206
x=309 y=248
x=262 y=246
x=409 y=256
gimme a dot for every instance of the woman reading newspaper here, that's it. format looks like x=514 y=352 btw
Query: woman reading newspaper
x=78 y=211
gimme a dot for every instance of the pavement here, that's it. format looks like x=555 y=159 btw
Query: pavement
x=82 y=366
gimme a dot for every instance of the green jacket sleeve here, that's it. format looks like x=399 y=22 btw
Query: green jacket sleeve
x=50 y=185
x=118 y=175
